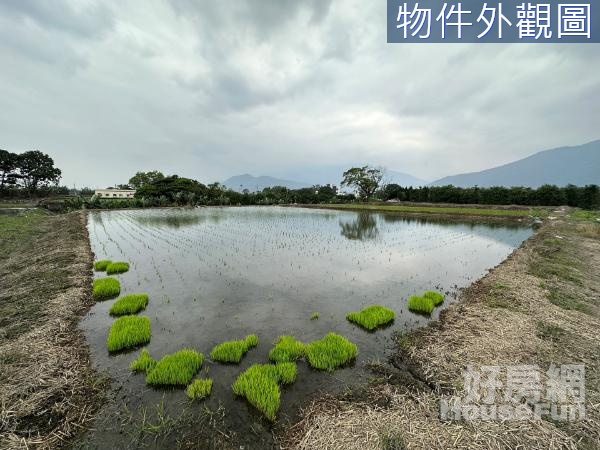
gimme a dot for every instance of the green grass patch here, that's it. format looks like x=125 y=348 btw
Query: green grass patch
x=287 y=349
x=199 y=388
x=436 y=297
x=260 y=385
x=129 y=304
x=420 y=304
x=128 y=332
x=585 y=215
x=106 y=288
x=372 y=317
x=314 y=316
x=548 y=331
x=101 y=265
x=330 y=352
x=176 y=369
x=233 y=351
x=143 y=363
x=117 y=267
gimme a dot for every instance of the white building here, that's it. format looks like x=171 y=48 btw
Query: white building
x=115 y=193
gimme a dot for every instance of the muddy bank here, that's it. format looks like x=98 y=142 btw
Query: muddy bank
x=48 y=390
x=540 y=306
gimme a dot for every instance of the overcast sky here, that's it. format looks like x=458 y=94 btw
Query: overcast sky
x=210 y=89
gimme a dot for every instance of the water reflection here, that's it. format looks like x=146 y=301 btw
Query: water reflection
x=364 y=227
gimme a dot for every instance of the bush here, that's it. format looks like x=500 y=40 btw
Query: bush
x=101 y=265
x=117 y=267
x=371 y=317
x=143 y=363
x=233 y=351
x=260 y=385
x=176 y=369
x=420 y=304
x=435 y=297
x=199 y=389
x=128 y=332
x=330 y=352
x=129 y=304
x=287 y=349
x=106 y=288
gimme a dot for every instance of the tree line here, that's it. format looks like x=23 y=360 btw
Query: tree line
x=27 y=173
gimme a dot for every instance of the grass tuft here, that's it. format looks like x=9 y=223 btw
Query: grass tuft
x=330 y=352
x=101 y=265
x=420 y=304
x=143 y=363
x=233 y=351
x=436 y=297
x=128 y=332
x=106 y=288
x=287 y=349
x=176 y=369
x=129 y=304
x=314 y=316
x=117 y=267
x=260 y=385
x=199 y=389
x=372 y=317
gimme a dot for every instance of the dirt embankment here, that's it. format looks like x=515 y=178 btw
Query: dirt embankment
x=540 y=307
x=48 y=390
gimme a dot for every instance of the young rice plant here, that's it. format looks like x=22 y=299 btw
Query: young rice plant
x=434 y=296
x=101 y=265
x=105 y=288
x=420 y=304
x=233 y=351
x=176 y=369
x=128 y=332
x=371 y=317
x=199 y=389
x=143 y=363
x=129 y=304
x=287 y=349
x=330 y=352
x=117 y=267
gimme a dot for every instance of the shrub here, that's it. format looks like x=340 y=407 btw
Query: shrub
x=129 y=304
x=199 y=389
x=233 y=351
x=371 y=317
x=420 y=304
x=287 y=349
x=330 y=352
x=128 y=332
x=143 y=363
x=434 y=296
x=176 y=369
x=100 y=265
x=117 y=267
x=260 y=385
x=105 y=288
x=314 y=316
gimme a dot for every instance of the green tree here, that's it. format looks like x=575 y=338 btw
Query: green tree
x=37 y=170
x=8 y=165
x=364 y=180
x=142 y=178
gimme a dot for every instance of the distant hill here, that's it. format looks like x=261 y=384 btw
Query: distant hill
x=579 y=165
x=240 y=182
x=403 y=179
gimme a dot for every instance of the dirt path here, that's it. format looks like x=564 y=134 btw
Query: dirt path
x=539 y=307
x=47 y=388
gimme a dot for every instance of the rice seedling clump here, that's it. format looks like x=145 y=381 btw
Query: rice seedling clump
x=128 y=332
x=101 y=265
x=199 y=389
x=287 y=349
x=117 y=267
x=105 y=288
x=371 y=317
x=143 y=363
x=314 y=316
x=233 y=351
x=330 y=352
x=129 y=304
x=176 y=369
x=420 y=304
x=260 y=385
x=436 y=297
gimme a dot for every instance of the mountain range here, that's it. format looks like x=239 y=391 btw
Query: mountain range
x=579 y=165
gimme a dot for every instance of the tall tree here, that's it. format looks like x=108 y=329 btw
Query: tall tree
x=8 y=165
x=142 y=178
x=37 y=170
x=364 y=180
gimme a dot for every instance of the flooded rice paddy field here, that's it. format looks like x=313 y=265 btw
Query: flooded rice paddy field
x=215 y=274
